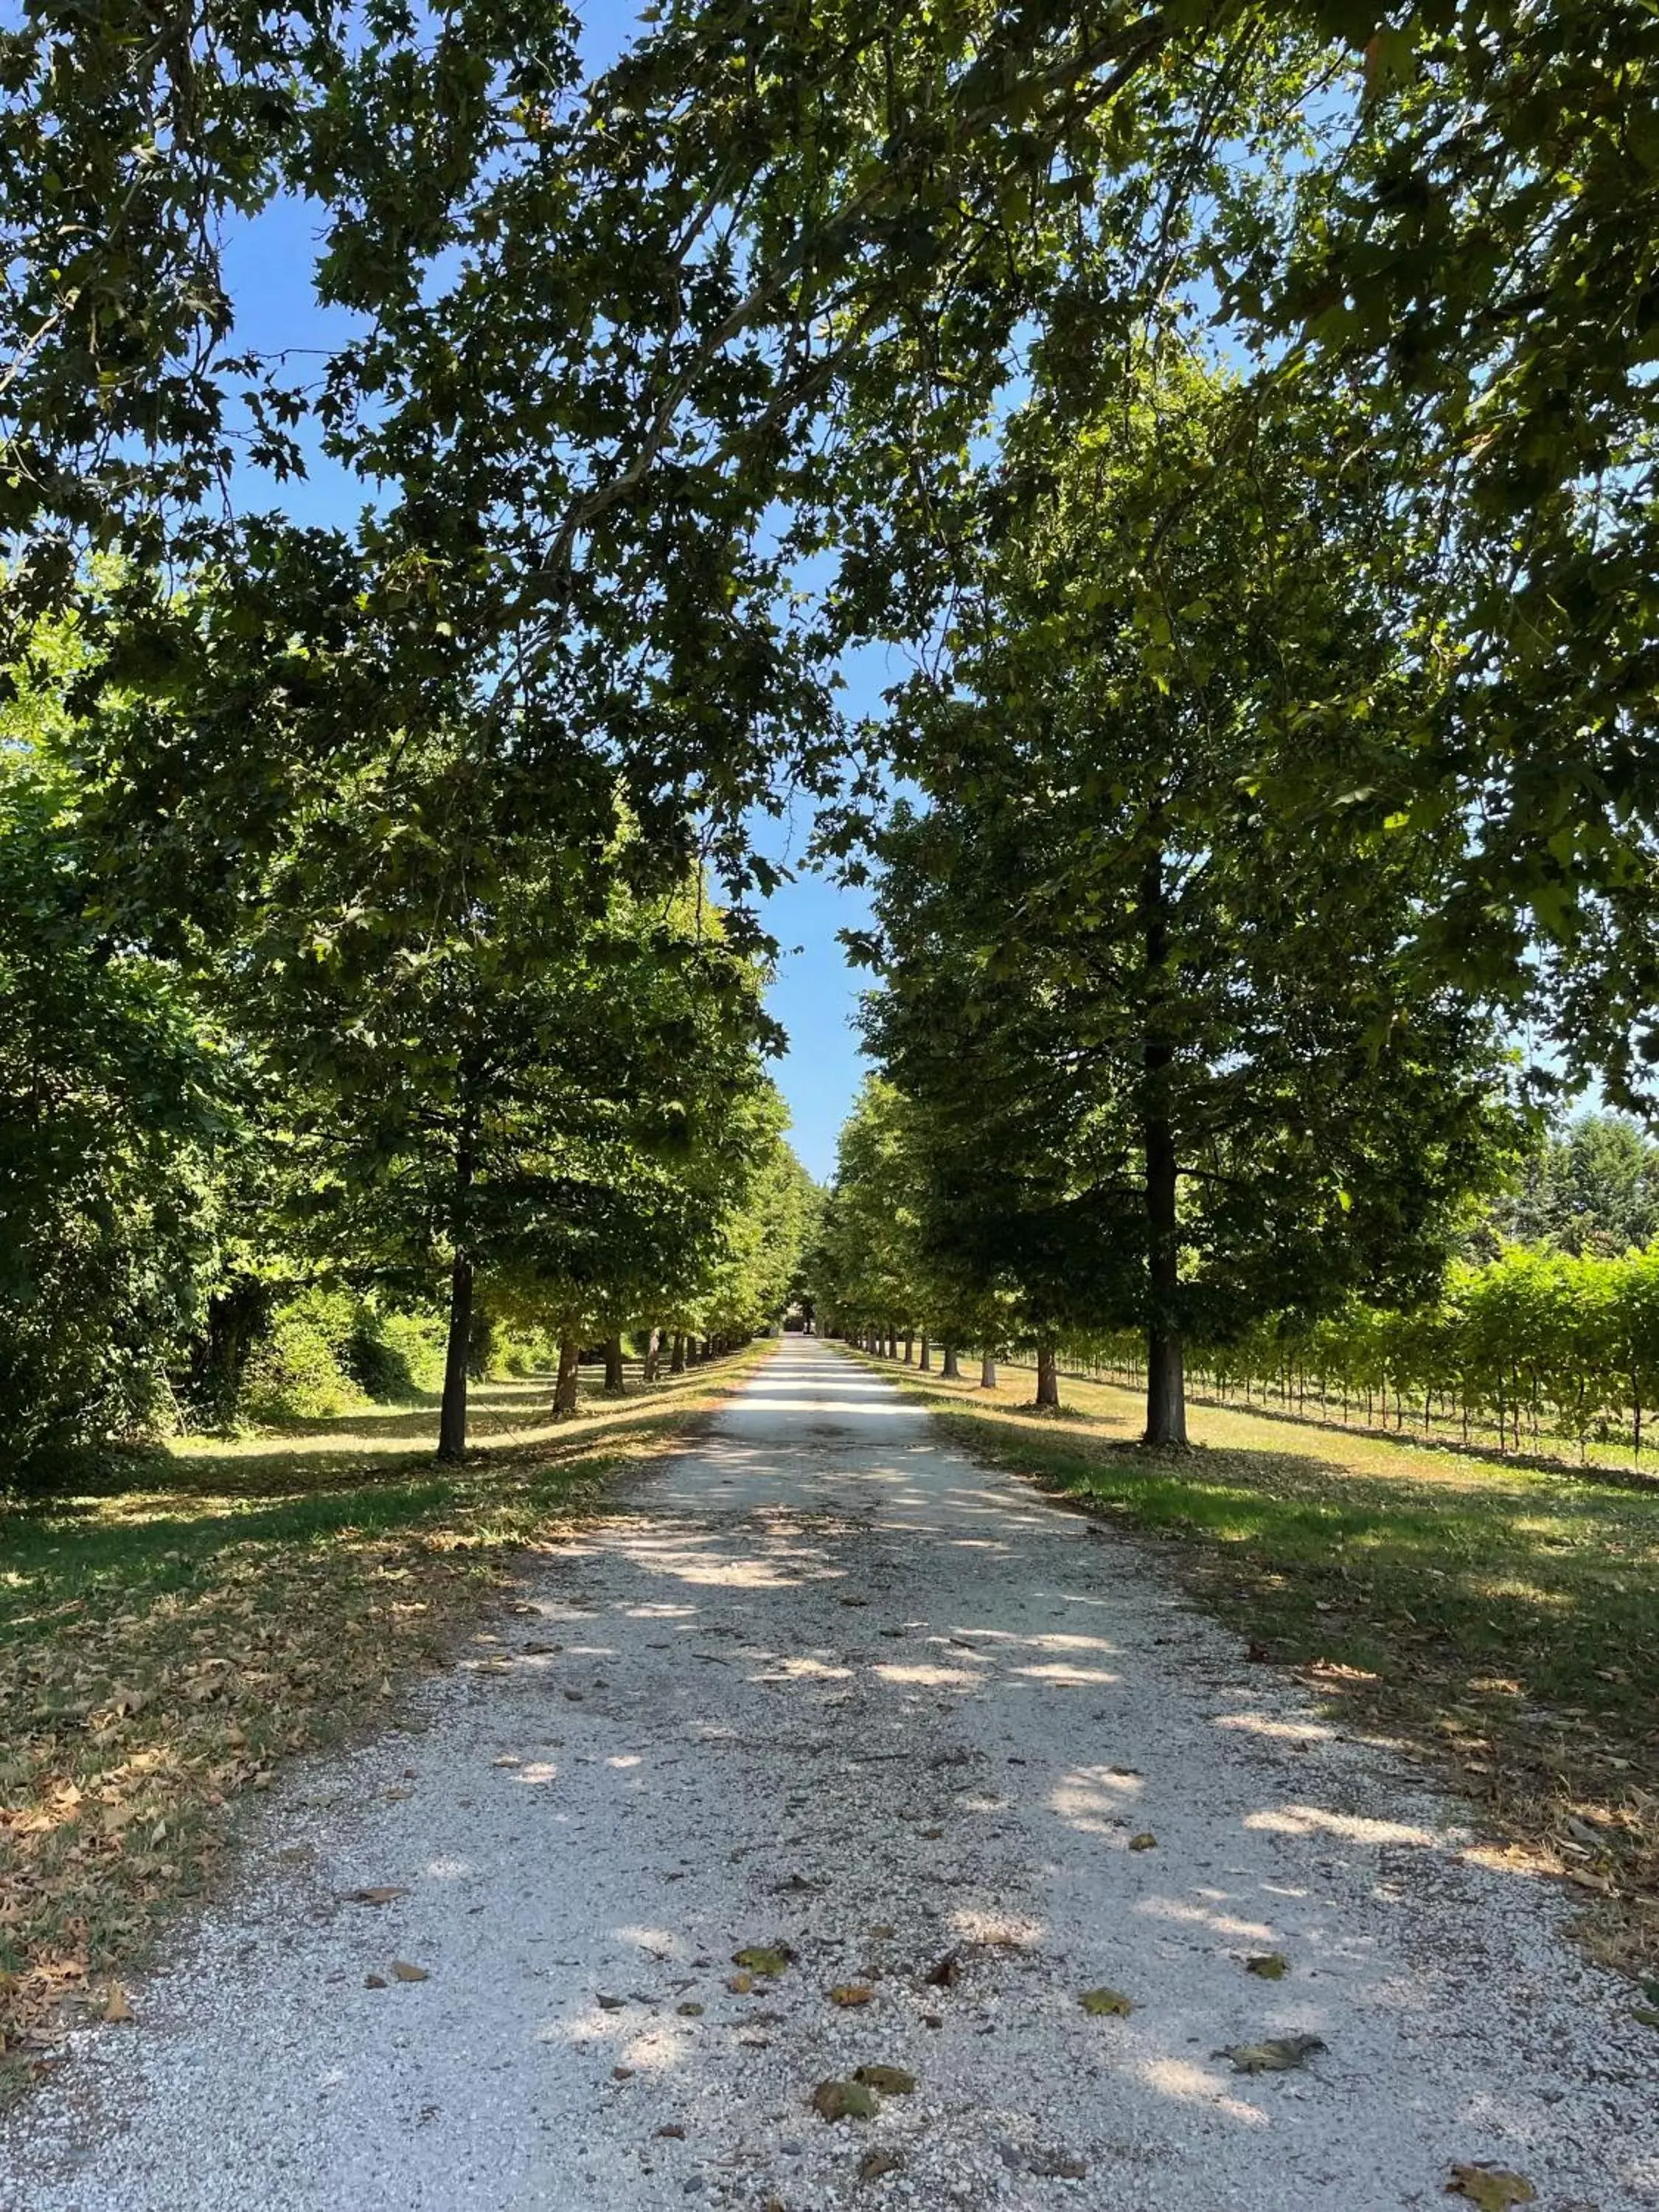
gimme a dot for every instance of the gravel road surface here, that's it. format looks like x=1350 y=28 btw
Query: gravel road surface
x=829 y=1686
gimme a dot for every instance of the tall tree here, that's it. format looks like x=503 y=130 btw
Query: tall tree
x=1204 y=1083
x=497 y=1062
x=117 y=1102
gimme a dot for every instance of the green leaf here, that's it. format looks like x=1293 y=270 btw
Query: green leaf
x=1103 y=2001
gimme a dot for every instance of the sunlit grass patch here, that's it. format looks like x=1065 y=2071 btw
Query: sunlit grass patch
x=166 y=1641
x=1500 y=1621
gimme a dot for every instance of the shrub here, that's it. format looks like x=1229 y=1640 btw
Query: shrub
x=299 y=1370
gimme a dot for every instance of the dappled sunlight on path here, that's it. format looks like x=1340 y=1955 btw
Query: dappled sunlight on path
x=824 y=1687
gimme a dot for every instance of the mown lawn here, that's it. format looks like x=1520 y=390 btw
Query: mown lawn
x=1502 y=1623
x=211 y=1610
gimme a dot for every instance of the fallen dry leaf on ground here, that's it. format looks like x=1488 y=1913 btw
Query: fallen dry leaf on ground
x=1493 y=2188
x=763 y=1957
x=1276 y=2056
x=1271 y=1966
x=1102 y=2001
x=383 y=1895
x=892 y=2081
x=835 y=2099
x=945 y=1974
x=875 y=2163
x=1056 y=2165
x=1146 y=1841
x=115 y=2003
x=403 y=1971
x=851 y=1993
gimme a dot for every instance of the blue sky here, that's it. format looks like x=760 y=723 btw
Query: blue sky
x=269 y=268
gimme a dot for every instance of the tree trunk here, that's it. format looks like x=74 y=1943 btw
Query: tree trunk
x=564 y=1392
x=219 y=1356
x=1166 y=1389
x=910 y=1348
x=677 y=1354
x=452 y=1418
x=613 y=1365
x=950 y=1371
x=987 y=1370
x=924 y=1362
x=652 y=1355
x=452 y=1421
x=1048 y=1382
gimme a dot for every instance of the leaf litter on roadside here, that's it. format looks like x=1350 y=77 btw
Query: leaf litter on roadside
x=892 y=2081
x=838 y=2100
x=849 y=1994
x=875 y=2163
x=763 y=1957
x=130 y=1725
x=1493 y=2188
x=1277 y=2054
x=1104 y=2002
x=1269 y=1966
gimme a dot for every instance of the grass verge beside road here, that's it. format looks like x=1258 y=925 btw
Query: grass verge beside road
x=214 y=1610
x=1500 y=1623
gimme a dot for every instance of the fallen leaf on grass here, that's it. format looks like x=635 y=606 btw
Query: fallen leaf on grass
x=1493 y=2188
x=1146 y=1841
x=763 y=1957
x=850 y=1993
x=1271 y=1966
x=1103 y=2001
x=843 y=2100
x=1276 y=2056
x=382 y=1895
x=892 y=2081
x=406 y=1972
x=115 y=2007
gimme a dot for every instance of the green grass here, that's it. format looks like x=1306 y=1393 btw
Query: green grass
x=1501 y=1622
x=167 y=1638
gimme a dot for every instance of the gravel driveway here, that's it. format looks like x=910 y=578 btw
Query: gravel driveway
x=832 y=1687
